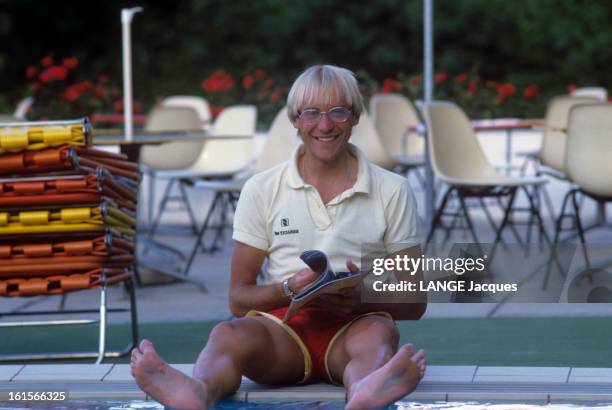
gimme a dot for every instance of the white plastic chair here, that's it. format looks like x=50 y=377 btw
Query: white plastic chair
x=600 y=93
x=158 y=161
x=587 y=161
x=365 y=137
x=199 y=104
x=458 y=160
x=396 y=121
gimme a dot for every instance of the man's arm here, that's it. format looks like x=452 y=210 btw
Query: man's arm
x=245 y=294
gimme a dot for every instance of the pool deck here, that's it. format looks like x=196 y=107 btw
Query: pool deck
x=540 y=385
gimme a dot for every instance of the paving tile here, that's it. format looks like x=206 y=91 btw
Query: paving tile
x=425 y=396
x=275 y=394
x=449 y=374
x=580 y=397
x=541 y=398
x=517 y=374
x=591 y=371
x=119 y=373
x=186 y=368
x=7 y=372
x=590 y=375
x=63 y=372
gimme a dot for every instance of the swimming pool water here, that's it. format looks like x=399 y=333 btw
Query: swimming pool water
x=296 y=405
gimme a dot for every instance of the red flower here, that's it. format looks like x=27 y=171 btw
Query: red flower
x=531 y=92
x=216 y=110
x=505 y=91
x=30 y=72
x=73 y=92
x=247 y=81
x=99 y=91
x=441 y=77
x=46 y=61
x=390 y=85
x=118 y=106
x=461 y=77
x=260 y=74
x=416 y=80
x=218 y=81
x=71 y=63
x=571 y=88
x=274 y=96
x=35 y=87
x=54 y=73
x=136 y=107
x=472 y=87
x=103 y=79
x=269 y=82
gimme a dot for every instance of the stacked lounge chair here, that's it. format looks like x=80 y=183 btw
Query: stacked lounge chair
x=67 y=221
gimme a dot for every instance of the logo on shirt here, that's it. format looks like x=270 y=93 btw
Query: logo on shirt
x=284 y=223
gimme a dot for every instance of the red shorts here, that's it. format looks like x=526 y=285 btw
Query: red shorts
x=314 y=330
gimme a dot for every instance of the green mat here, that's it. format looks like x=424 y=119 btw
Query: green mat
x=575 y=341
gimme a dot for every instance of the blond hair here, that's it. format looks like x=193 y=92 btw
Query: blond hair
x=324 y=84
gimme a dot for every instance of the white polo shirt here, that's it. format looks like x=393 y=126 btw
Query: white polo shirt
x=282 y=215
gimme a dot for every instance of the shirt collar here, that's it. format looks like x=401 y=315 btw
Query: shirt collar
x=363 y=183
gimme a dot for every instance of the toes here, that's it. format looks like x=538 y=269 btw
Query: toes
x=146 y=345
x=419 y=356
x=407 y=348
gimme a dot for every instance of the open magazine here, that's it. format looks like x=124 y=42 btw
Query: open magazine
x=328 y=282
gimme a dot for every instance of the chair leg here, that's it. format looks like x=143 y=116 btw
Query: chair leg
x=102 y=323
x=575 y=192
x=151 y=199
x=192 y=218
x=535 y=212
x=507 y=212
x=467 y=218
x=553 y=252
x=162 y=207
x=436 y=219
x=201 y=233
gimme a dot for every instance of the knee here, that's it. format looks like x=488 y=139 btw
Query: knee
x=235 y=335
x=226 y=334
x=378 y=330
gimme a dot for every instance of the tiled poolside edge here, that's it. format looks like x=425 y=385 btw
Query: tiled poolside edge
x=441 y=383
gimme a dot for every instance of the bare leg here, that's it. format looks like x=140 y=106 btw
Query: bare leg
x=371 y=367
x=255 y=347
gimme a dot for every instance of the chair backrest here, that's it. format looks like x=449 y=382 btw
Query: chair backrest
x=589 y=148
x=226 y=156
x=596 y=92
x=393 y=115
x=173 y=155
x=280 y=143
x=199 y=104
x=455 y=152
x=552 y=153
x=366 y=138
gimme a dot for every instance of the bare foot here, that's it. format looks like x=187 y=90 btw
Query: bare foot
x=164 y=383
x=398 y=377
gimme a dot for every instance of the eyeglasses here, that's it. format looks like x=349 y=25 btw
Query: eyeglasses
x=335 y=114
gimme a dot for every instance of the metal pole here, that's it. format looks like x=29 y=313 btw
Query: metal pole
x=427 y=97
x=126 y=21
